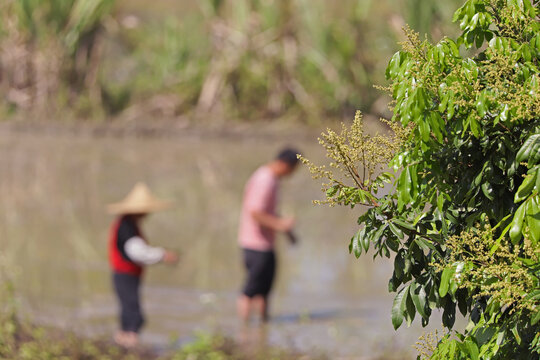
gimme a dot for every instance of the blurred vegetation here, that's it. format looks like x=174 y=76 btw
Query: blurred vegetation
x=51 y=52
x=216 y=59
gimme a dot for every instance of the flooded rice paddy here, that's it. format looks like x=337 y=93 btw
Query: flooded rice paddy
x=54 y=229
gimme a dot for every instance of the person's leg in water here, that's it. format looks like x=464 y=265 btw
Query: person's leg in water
x=267 y=282
x=261 y=304
x=131 y=319
x=245 y=300
x=246 y=304
x=260 y=268
x=244 y=307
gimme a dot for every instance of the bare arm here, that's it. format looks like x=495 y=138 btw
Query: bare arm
x=272 y=221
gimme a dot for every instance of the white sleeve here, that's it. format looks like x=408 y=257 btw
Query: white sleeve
x=142 y=253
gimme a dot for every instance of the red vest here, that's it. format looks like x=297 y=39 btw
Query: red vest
x=118 y=262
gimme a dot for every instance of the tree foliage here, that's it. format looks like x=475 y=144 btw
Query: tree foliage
x=463 y=217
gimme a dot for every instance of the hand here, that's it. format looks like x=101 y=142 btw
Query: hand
x=292 y=237
x=170 y=257
x=286 y=224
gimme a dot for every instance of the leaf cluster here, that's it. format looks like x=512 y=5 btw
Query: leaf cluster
x=471 y=159
x=505 y=281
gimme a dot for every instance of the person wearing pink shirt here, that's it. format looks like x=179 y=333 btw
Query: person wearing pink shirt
x=259 y=223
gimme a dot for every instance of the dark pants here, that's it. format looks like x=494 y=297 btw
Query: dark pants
x=126 y=287
x=261 y=268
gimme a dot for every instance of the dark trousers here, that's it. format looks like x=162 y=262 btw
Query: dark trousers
x=261 y=270
x=126 y=287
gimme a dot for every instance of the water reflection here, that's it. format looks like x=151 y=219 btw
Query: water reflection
x=252 y=338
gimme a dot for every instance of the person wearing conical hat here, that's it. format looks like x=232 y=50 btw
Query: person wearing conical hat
x=129 y=253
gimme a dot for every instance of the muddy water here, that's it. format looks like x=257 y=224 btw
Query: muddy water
x=53 y=236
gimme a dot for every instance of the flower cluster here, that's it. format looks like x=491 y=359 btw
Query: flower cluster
x=357 y=160
x=496 y=268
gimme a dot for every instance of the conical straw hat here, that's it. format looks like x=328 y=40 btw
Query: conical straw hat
x=139 y=201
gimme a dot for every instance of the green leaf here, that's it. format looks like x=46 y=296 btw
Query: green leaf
x=530 y=151
x=449 y=314
x=425 y=130
x=517 y=223
x=398 y=307
x=534 y=295
x=533 y=220
x=487 y=189
x=425 y=244
x=404 y=188
x=419 y=298
x=392 y=243
x=472 y=349
x=516 y=334
x=536 y=318
x=355 y=246
x=526 y=187
x=396 y=231
x=440 y=202
x=332 y=191
x=393 y=66
x=404 y=224
x=399 y=264
x=410 y=310
x=446 y=277
x=475 y=127
x=461 y=297
x=452 y=347
x=365 y=240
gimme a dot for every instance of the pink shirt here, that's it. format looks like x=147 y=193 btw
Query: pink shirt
x=260 y=194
